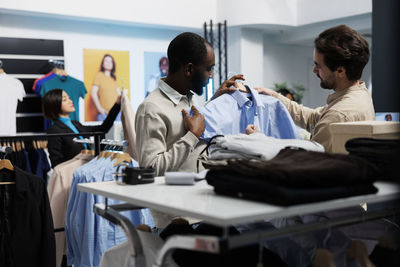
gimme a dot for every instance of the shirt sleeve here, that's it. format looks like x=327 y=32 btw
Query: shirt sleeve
x=322 y=132
x=152 y=151
x=302 y=116
x=20 y=90
x=97 y=79
x=82 y=91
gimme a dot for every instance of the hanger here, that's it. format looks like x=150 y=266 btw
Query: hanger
x=104 y=154
x=240 y=86
x=88 y=151
x=6 y=164
x=60 y=72
x=1 y=71
x=121 y=157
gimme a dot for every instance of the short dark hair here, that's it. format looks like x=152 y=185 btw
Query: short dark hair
x=186 y=48
x=343 y=46
x=51 y=103
x=284 y=91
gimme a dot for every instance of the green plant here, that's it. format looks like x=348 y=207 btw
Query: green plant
x=297 y=90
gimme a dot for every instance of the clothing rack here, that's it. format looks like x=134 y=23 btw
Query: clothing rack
x=31 y=137
x=215 y=245
x=106 y=142
x=5 y=149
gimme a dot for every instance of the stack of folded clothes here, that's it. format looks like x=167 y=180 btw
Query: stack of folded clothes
x=294 y=176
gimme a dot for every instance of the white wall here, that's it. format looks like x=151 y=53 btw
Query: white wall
x=171 y=13
x=256 y=12
x=78 y=35
x=268 y=14
x=192 y=14
x=292 y=64
x=245 y=54
x=312 y=11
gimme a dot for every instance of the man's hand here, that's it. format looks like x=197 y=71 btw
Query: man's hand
x=227 y=86
x=196 y=123
x=266 y=91
x=251 y=128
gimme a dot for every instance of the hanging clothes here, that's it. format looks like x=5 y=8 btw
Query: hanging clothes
x=128 y=123
x=32 y=160
x=11 y=91
x=73 y=87
x=231 y=113
x=37 y=85
x=58 y=190
x=89 y=235
x=26 y=232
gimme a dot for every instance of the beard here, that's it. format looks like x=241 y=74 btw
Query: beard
x=198 y=83
x=326 y=84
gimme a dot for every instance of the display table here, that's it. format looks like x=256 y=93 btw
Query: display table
x=200 y=201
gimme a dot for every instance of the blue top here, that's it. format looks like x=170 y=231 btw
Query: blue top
x=89 y=235
x=68 y=122
x=41 y=81
x=231 y=113
x=73 y=87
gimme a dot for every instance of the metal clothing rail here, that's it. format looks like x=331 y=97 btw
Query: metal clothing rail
x=215 y=245
x=30 y=137
x=106 y=142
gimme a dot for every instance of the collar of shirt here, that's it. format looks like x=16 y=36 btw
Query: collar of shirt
x=242 y=98
x=336 y=95
x=171 y=93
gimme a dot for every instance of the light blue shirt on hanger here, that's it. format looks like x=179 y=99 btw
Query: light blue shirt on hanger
x=231 y=113
x=89 y=235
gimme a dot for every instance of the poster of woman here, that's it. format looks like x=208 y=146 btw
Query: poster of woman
x=106 y=73
x=155 y=67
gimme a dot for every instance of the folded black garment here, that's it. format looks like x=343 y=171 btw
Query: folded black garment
x=383 y=153
x=297 y=168
x=247 y=187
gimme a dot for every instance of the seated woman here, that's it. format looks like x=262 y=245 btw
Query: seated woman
x=57 y=106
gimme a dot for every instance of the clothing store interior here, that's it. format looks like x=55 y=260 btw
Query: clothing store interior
x=199 y=133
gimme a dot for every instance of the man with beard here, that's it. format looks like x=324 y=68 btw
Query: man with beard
x=167 y=137
x=340 y=56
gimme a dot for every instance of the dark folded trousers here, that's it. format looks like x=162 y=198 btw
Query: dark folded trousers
x=294 y=177
x=231 y=184
x=383 y=153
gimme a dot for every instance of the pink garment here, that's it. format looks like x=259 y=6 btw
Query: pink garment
x=128 y=124
x=58 y=190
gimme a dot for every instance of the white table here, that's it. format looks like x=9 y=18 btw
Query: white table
x=200 y=201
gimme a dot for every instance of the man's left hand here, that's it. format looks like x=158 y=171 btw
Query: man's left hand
x=227 y=86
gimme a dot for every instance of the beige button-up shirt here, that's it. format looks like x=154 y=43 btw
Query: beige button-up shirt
x=162 y=142
x=351 y=104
